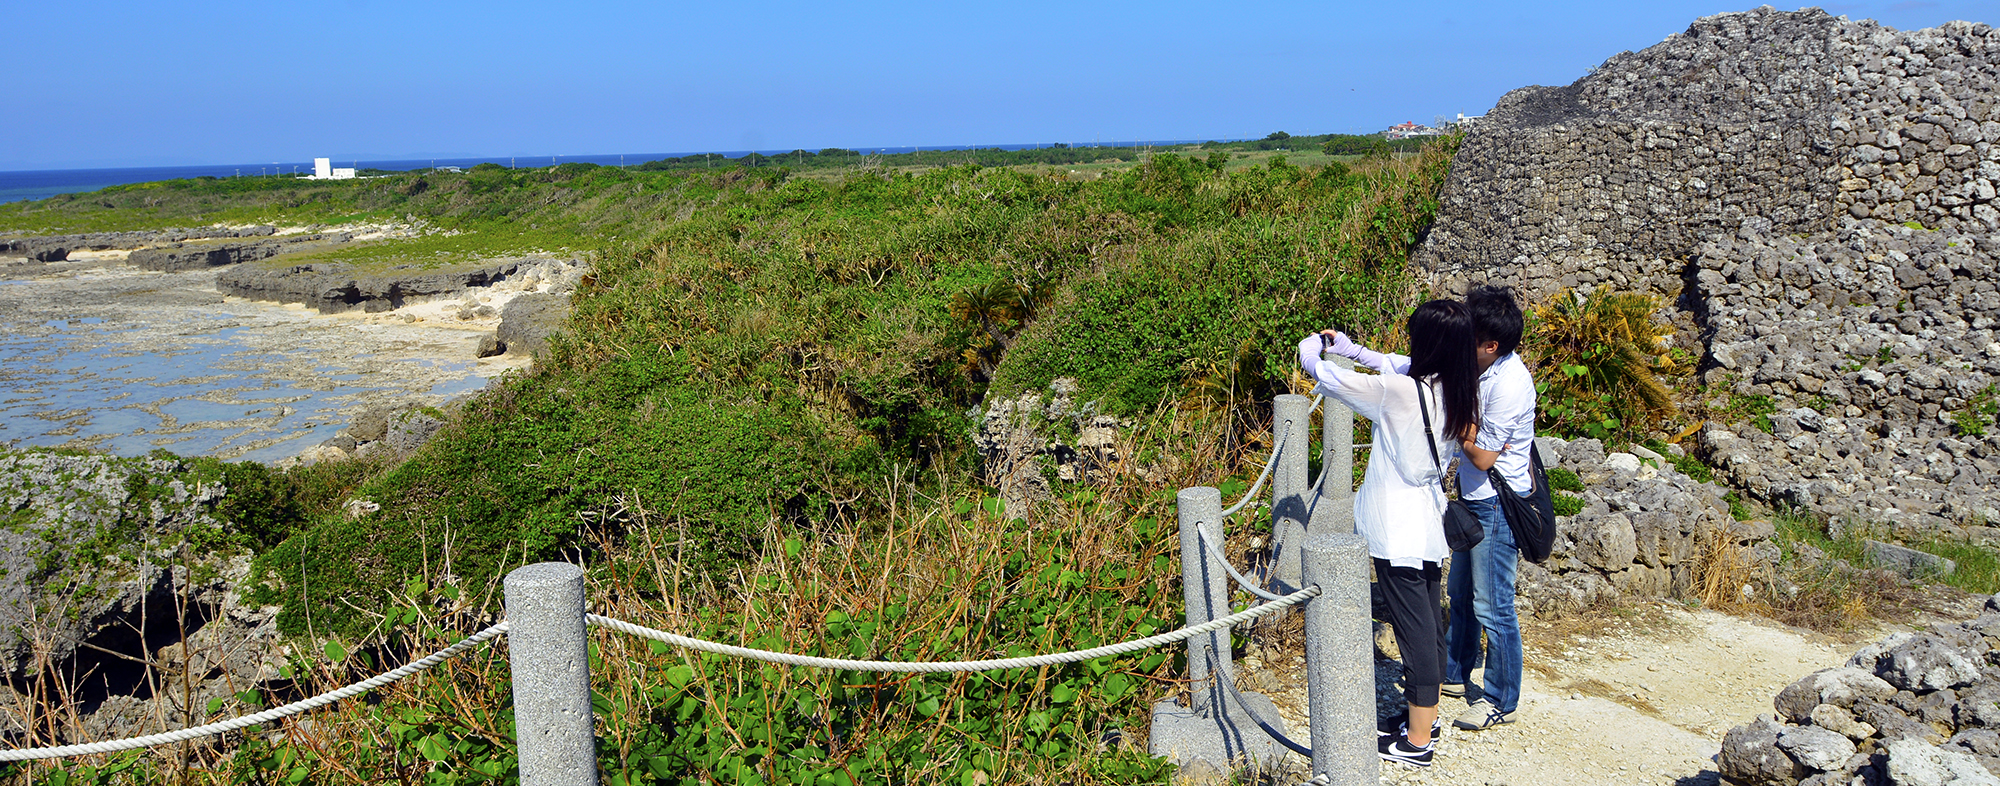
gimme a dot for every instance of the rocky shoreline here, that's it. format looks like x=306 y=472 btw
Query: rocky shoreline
x=57 y=248
x=428 y=325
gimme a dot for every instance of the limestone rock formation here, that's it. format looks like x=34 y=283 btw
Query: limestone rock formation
x=1818 y=195
x=1913 y=708
x=1642 y=525
x=199 y=254
x=105 y=590
x=527 y=321
x=56 y=248
x=335 y=288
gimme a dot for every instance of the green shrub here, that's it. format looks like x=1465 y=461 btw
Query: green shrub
x=1688 y=465
x=1980 y=412
x=1567 y=504
x=1215 y=313
x=1739 y=509
x=1603 y=358
x=1564 y=480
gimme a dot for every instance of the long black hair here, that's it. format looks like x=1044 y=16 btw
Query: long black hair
x=1442 y=350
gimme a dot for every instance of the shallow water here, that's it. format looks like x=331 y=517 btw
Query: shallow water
x=125 y=361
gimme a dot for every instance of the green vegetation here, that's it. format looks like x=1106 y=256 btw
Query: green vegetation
x=787 y=344
x=1561 y=480
x=1330 y=144
x=1058 y=154
x=772 y=376
x=1753 y=408
x=1980 y=412
x=1688 y=465
x=1605 y=358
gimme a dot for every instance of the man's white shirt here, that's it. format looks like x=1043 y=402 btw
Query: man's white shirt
x=1506 y=424
x=1506 y=420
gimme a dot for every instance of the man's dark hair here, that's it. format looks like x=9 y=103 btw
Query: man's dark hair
x=1495 y=316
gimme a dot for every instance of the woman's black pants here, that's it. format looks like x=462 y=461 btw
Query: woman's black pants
x=1415 y=597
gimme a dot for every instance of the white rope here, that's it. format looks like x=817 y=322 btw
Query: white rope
x=294 y=708
x=1268 y=465
x=1201 y=534
x=1032 y=661
x=1254 y=487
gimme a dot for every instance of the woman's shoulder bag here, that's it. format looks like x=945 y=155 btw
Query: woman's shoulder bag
x=1462 y=529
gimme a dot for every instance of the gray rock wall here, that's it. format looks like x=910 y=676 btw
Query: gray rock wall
x=1796 y=118
x=1760 y=167
x=1871 y=342
x=1643 y=528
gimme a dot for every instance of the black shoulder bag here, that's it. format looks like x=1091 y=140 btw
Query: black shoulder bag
x=1533 y=517
x=1462 y=529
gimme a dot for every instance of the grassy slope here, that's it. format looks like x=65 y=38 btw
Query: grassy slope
x=775 y=350
x=763 y=362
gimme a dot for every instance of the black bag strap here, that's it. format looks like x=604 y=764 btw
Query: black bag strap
x=1430 y=440
x=1538 y=478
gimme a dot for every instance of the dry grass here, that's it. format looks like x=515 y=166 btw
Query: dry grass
x=943 y=566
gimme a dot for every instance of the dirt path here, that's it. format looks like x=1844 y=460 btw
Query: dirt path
x=1639 y=696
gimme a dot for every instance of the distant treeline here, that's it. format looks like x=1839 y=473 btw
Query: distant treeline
x=1330 y=144
x=841 y=157
x=1057 y=154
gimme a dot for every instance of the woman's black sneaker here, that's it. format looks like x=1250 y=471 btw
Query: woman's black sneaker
x=1397 y=747
x=1400 y=724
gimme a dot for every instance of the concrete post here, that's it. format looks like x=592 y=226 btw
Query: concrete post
x=1333 y=498
x=1205 y=587
x=1215 y=730
x=1291 y=428
x=1340 y=661
x=550 y=659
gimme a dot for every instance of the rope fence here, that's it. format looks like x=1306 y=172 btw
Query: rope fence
x=934 y=667
x=686 y=642
x=547 y=621
x=275 y=713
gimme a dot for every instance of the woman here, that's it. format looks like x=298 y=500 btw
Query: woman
x=1400 y=506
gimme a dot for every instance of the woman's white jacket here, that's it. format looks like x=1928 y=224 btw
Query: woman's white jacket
x=1399 y=508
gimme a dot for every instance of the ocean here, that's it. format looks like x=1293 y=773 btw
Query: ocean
x=21 y=185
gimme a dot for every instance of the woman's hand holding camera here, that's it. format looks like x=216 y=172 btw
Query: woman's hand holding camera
x=1338 y=343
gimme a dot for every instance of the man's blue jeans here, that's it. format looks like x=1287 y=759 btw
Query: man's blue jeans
x=1481 y=589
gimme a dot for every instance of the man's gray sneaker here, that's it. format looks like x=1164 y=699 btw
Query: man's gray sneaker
x=1454 y=690
x=1483 y=715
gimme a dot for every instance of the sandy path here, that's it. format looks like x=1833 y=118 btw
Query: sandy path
x=1643 y=698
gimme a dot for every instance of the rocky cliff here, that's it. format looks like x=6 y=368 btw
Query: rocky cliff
x=112 y=590
x=334 y=288
x=56 y=248
x=1817 y=195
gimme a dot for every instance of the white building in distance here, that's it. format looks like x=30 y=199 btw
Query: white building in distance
x=323 y=170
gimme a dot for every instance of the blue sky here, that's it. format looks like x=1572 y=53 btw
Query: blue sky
x=88 y=84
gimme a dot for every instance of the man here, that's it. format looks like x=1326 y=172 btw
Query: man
x=1481 y=587
x=1481 y=584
